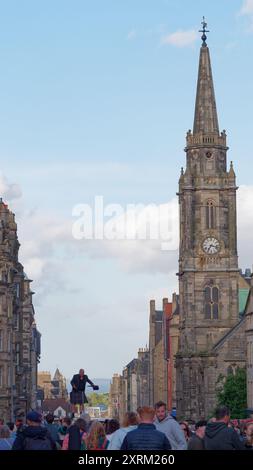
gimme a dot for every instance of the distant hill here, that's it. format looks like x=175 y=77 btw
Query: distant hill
x=104 y=385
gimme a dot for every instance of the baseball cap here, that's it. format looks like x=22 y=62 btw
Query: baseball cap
x=34 y=416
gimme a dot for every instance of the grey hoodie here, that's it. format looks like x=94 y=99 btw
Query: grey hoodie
x=174 y=433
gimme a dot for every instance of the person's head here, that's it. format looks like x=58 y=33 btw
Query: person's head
x=11 y=426
x=160 y=410
x=19 y=423
x=200 y=428
x=4 y=432
x=112 y=426
x=49 y=418
x=97 y=432
x=185 y=428
x=222 y=413
x=66 y=422
x=130 y=419
x=249 y=432
x=146 y=414
x=81 y=372
x=81 y=424
x=33 y=418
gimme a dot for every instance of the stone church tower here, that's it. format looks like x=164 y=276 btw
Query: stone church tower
x=208 y=261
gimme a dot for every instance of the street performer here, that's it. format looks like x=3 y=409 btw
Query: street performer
x=77 y=395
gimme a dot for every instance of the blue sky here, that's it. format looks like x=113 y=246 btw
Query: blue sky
x=96 y=98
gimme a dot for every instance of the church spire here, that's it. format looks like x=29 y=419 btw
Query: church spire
x=205 y=119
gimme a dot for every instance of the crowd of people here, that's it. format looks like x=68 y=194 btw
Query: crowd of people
x=147 y=429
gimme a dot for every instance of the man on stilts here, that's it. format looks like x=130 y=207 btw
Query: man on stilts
x=77 y=395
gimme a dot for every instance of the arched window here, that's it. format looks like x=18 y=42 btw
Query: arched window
x=210 y=215
x=211 y=302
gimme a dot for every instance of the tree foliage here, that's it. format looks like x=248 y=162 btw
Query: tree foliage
x=98 y=399
x=232 y=392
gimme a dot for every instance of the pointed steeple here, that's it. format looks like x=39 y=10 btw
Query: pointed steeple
x=206 y=118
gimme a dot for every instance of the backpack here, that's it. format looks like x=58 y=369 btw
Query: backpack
x=37 y=443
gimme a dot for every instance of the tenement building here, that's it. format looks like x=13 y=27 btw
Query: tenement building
x=19 y=338
x=211 y=333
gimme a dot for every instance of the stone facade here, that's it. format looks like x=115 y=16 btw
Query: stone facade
x=158 y=385
x=19 y=338
x=143 y=377
x=52 y=388
x=171 y=312
x=130 y=390
x=163 y=347
x=208 y=260
x=59 y=389
x=117 y=398
x=249 y=344
x=130 y=378
x=45 y=384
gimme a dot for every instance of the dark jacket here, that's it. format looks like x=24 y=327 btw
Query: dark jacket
x=53 y=429
x=74 y=438
x=32 y=432
x=79 y=385
x=196 y=443
x=145 y=437
x=220 y=437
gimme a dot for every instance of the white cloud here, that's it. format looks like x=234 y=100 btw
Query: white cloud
x=42 y=236
x=34 y=266
x=52 y=258
x=247 y=7
x=245 y=225
x=180 y=38
x=9 y=191
x=131 y=35
x=247 y=10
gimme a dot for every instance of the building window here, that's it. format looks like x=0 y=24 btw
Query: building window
x=1 y=340
x=210 y=215
x=1 y=376
x=211 y=302
x=9 y=377
x=17 y=290
x=9 y=342
x=17 y=354
x=9 y=308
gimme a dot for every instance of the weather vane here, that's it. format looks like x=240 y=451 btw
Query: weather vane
x=204 y=31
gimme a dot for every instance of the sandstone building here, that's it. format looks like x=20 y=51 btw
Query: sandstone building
x=52 y=388
x=212 y=336
x=19 y=337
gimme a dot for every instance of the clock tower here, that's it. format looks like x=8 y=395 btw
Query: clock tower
x=208 y=261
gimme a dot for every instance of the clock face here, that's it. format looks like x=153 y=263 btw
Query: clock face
x=211 y=246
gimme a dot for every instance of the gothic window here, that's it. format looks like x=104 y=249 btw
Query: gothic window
x=210 y=215
x=9 y=377
x=1 y=376
x=211 y=302
x=9 y=342
x=17 y=354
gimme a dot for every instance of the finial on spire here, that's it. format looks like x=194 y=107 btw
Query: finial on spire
x=204 y=31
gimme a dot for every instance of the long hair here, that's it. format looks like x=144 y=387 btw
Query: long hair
x=74 y=434
x=96 y=435
x=130 y=419
x=113 y=426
